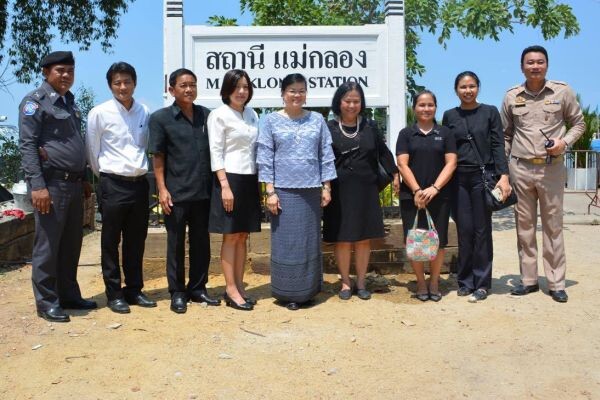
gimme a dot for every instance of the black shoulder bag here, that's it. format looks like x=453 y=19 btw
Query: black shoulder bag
x=491 y=202
x=384 y=177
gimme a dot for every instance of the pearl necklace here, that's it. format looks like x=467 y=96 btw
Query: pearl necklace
x=353 y=134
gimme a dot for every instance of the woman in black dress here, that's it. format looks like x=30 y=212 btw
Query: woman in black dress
x=354 y=216
x=427 y=159
x=473 y=220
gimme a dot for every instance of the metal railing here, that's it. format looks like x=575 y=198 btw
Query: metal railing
x=583 y=169
x=583 y=174
x=388 y=200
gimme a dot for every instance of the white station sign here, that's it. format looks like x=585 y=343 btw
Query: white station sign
x=327 y=56
x=372 y=55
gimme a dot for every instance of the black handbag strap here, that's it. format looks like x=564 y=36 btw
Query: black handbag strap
x=474 y=145
x=476 y=150
x=345 y=157
x=376 y=133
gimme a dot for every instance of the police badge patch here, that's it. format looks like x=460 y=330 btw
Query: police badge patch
x=30 y=108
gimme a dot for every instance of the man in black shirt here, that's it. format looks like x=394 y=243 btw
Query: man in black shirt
x=179 y=143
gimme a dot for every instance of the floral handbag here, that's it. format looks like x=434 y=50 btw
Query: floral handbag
x=422 y=244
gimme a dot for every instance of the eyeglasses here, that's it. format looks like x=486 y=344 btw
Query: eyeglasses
x=297 y=92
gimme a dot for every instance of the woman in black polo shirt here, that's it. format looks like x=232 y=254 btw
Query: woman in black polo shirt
x=473 y=220
x=427 y=158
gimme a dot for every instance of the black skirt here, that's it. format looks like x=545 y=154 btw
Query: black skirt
x=354 y=213
x=245 y=216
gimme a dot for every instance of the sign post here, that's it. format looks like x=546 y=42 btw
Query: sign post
x=372 y=55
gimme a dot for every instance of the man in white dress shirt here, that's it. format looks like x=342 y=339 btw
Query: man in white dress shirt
x=117 y=138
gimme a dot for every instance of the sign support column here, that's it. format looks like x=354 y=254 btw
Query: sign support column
x=396 y=82
x=172 y=40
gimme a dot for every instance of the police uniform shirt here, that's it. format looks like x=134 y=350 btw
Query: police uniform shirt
x=524 y=113
x=185 y=146
x=117 y=138
x=427 y=156
x=49 y=121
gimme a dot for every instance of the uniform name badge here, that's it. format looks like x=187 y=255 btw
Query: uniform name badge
x=520 y=101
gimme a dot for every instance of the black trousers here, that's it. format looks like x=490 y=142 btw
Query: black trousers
x=57 y=245
x=194 y=215
x=124 y=209
x=474 y=229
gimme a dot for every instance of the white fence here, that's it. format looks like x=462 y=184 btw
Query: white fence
x=583 y=169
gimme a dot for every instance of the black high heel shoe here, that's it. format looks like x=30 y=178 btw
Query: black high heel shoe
x=230 y=303
x=247 y=299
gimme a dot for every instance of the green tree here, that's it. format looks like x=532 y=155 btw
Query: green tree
x=34 y=24
x=481 y=19
x=85 y=98
x=10 y=157
x=590 y=118
x=217 y=20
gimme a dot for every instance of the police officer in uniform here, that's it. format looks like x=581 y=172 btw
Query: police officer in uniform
x=534 y=115
x=54 y=161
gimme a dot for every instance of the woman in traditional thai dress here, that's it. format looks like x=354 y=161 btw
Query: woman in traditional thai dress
x=296 y=161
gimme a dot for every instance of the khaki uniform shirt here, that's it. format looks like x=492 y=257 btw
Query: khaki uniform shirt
x=524 y=114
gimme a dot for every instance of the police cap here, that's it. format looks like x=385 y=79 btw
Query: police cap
x=58 y=57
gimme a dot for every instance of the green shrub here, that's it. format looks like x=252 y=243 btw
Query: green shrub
x=10 y=157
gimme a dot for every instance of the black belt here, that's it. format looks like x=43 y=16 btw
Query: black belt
x=60 y=175
x=124 y=178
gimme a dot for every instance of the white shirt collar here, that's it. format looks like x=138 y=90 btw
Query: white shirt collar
x=121 y=107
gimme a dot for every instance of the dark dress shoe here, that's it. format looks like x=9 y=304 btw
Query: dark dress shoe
x=522 y=290
x=559 y=295
x=203 y=297
x=435 y=297
x=178 y=304
x=141 y=300
x=119 y=306
x=464 y=291
x=247 y=299
x=345 y=294
x=293 y=306
x=363 y=294
x=230 y=303
x=79 y=304
x=250 y=300
x=54 y=314
x=422 y=296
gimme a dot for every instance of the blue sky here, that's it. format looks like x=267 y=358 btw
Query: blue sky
x=575 y=60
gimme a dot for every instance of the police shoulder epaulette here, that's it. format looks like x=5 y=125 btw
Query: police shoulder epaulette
x=37 y=95
x=514 y=87
x=558 y=82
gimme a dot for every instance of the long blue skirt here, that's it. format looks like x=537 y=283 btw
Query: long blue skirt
x=296 y=261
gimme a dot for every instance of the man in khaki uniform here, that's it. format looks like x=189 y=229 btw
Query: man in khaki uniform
x=537 y=170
